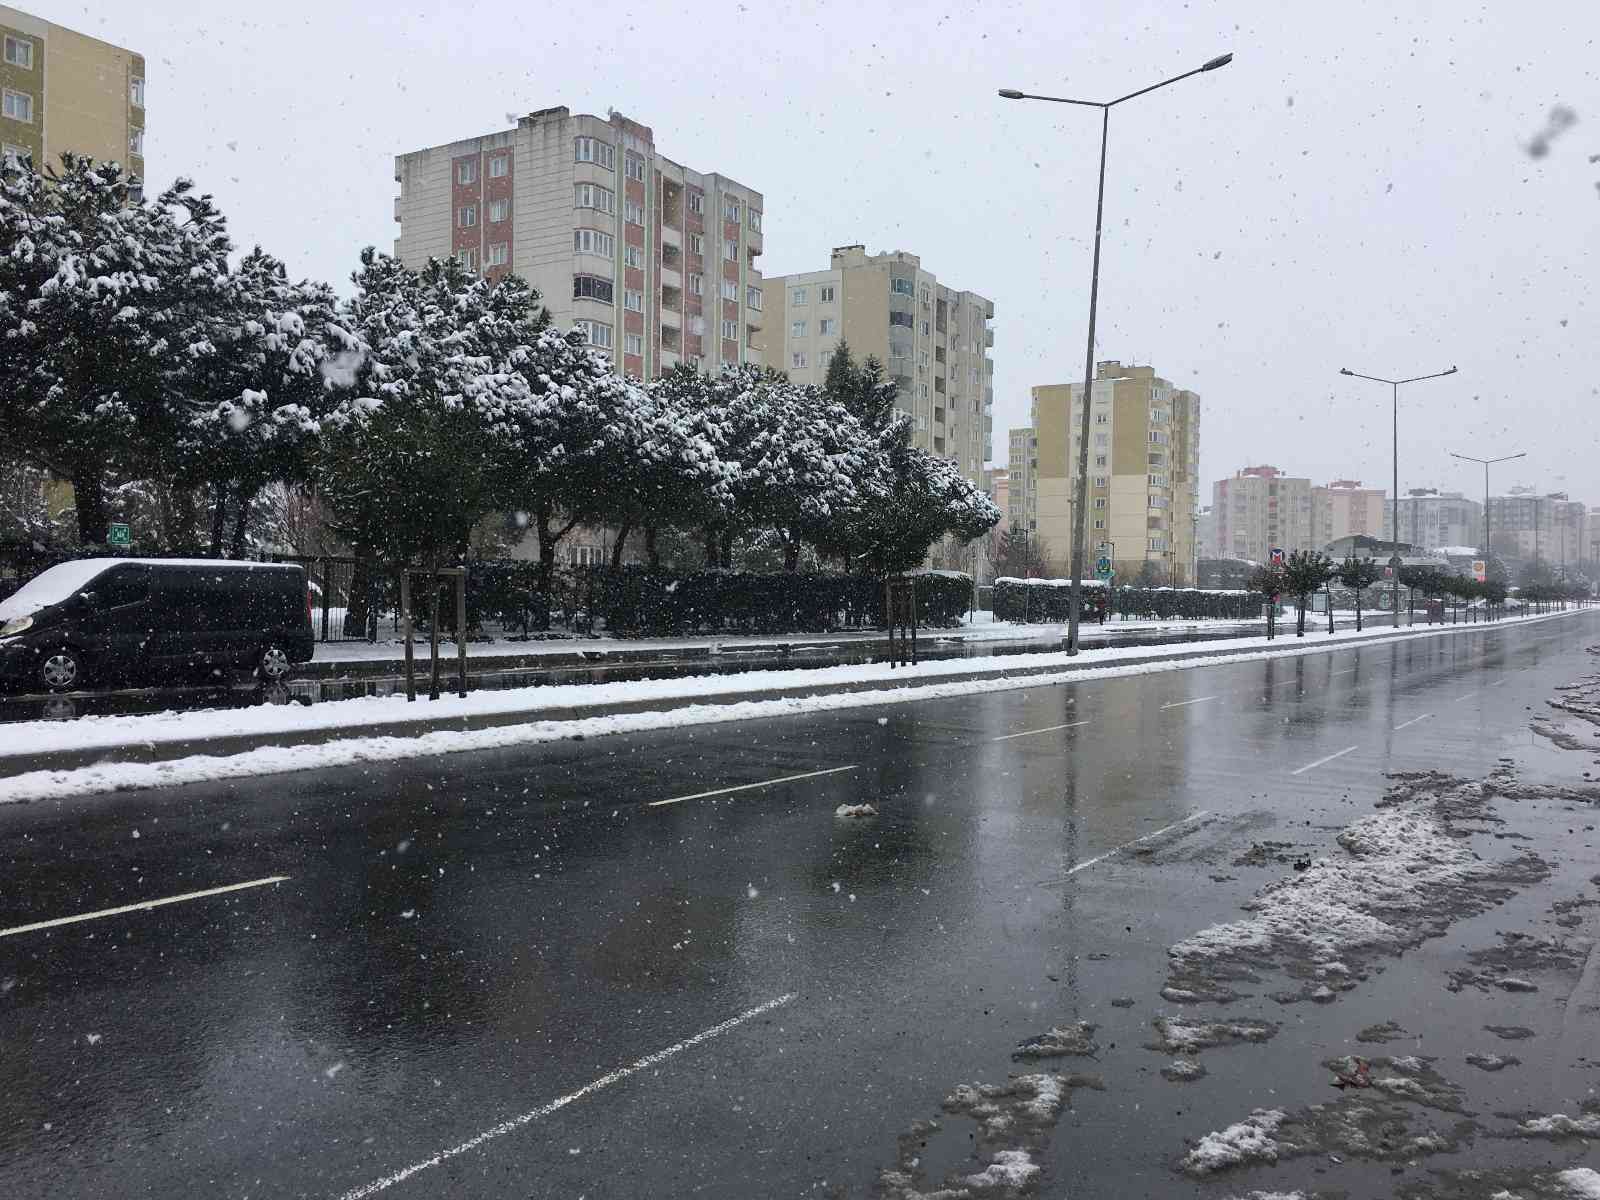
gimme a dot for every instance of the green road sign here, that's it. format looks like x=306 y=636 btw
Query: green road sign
x=120 y=535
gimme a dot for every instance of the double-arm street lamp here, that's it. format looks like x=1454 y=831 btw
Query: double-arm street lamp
x=1079 y=516
x=1487 y=463
x=1394 y=559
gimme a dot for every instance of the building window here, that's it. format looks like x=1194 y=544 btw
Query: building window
x=1102 y=481
x=825 y=295
x=1102 y=418
x=697 y=244
x=498 y=209
x=498 y=166
x=1099 y=501
x=633 y=167
x=633 y=256
x=19 y=53
x=633 y=343
x=592 y=287
x=730 y=250
x=797 y=329
x=902 y=319
x=136 y=93
x=902 y=287
x=730 y=290
x=697 y=202
x=1099 y=523
x=754 y=219
x=468 y=259
x=633 y=212
x=467 y=216
x=632 y=301
x=730 y=208
x=467 y=171
x=826 y=326
x=697 y=285
x=730 y=330
x=797 y=296
x=592 y=241
x=752 y=297
x=592 y=195
x=499 y=255
x=797 y=359
x=1099 y=460
x=17 y=105
x=136 y=142
x=593 y=150
x=597 y=332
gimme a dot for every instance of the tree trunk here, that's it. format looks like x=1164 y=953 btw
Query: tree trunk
x=620 y=544
x=727 y=549
x=711 y=547
x=1358 y=610
x=791 y=555
x=219 y=517
x=1300 y=618
x=88 y=493
x=652 y=553
x=241 y=520
x=358 y=610
x=547 y=547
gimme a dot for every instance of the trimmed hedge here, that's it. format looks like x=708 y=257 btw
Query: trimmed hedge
x=636 y=600
x=1028 y=600
x=1025 y=601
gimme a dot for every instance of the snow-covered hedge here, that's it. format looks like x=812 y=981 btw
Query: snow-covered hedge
x=638 y=600
x=1028 y=600
x=1168 y=603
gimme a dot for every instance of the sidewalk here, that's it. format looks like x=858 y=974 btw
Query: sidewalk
x=185 y=746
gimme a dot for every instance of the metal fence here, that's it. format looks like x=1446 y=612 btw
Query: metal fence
x=347 y=596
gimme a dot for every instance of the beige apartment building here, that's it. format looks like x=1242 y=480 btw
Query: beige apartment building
x=1344 y=508
x=933 y=341
x=1144 y=459
x=1431 y=519
x=1260 y=510
x=61 y=91
x=1551 y=528
x=656 y=262
x=1022 y=501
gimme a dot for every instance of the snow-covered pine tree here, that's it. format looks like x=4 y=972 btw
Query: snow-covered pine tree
x=100 y=300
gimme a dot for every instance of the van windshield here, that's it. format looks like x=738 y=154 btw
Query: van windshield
x=52 y=586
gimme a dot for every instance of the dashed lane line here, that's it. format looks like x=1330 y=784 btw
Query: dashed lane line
x=1336 y=754
x=544 y=1110
x=1413 y=721
x=141 y=905
x=1116 y=850
x=750 y=787
x=1006 y=737
x=1185 y=703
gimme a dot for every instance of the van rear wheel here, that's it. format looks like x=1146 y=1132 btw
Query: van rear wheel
x=274 y=664
x=62 y=670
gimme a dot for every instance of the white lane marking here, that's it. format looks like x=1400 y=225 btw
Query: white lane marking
x=1183 y=703
x=1006 y=737
x=750 y=787
x=1413 y=721
x=1468 y=696
x=1195 y=816
x=544 y=1110
x=1320 y=761
x=1349 y=671
x=143 y=904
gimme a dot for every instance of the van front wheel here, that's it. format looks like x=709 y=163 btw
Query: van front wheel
x=62 y=670
x=274 y=665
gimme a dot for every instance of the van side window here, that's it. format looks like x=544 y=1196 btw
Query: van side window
x=123 y=585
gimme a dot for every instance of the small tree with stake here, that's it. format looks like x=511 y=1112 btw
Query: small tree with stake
x=1304 y=573
x=1358 y=574
x=1271 y=583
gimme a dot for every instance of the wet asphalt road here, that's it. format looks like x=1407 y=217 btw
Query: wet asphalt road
x=468 y=942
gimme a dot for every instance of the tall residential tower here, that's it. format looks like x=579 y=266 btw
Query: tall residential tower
x=654 y=260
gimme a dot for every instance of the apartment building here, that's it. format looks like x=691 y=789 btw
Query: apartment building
x=1205 y=533
x=1022 y=508
x=1526 y=526
x=1143 y=464
x=656 y=262
x=933 y=341
x=1344 y=508
x=1261 y=509
x=61 y=90
x=1431 y=519
x=997 y=483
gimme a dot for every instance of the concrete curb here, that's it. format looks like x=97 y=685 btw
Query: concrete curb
x=63 y=760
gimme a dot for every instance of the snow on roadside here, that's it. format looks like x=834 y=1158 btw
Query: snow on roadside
x=932 y=680
x=1248 y=1141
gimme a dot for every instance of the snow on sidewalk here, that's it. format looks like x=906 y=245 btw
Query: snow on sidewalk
x=931 y=680
x=28 y=738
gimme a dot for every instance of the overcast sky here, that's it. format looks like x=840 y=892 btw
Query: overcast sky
x=1356 y=189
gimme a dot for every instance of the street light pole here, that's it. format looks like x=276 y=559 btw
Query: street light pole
x=1081 y=492
x=1487 y=463
x=1394 y=384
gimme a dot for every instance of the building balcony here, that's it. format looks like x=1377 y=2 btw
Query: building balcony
x=671 y=236
x=671 y=277
x=670 y=319
x=397 y=208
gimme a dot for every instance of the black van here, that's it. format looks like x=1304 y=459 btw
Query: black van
x=96 y=621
